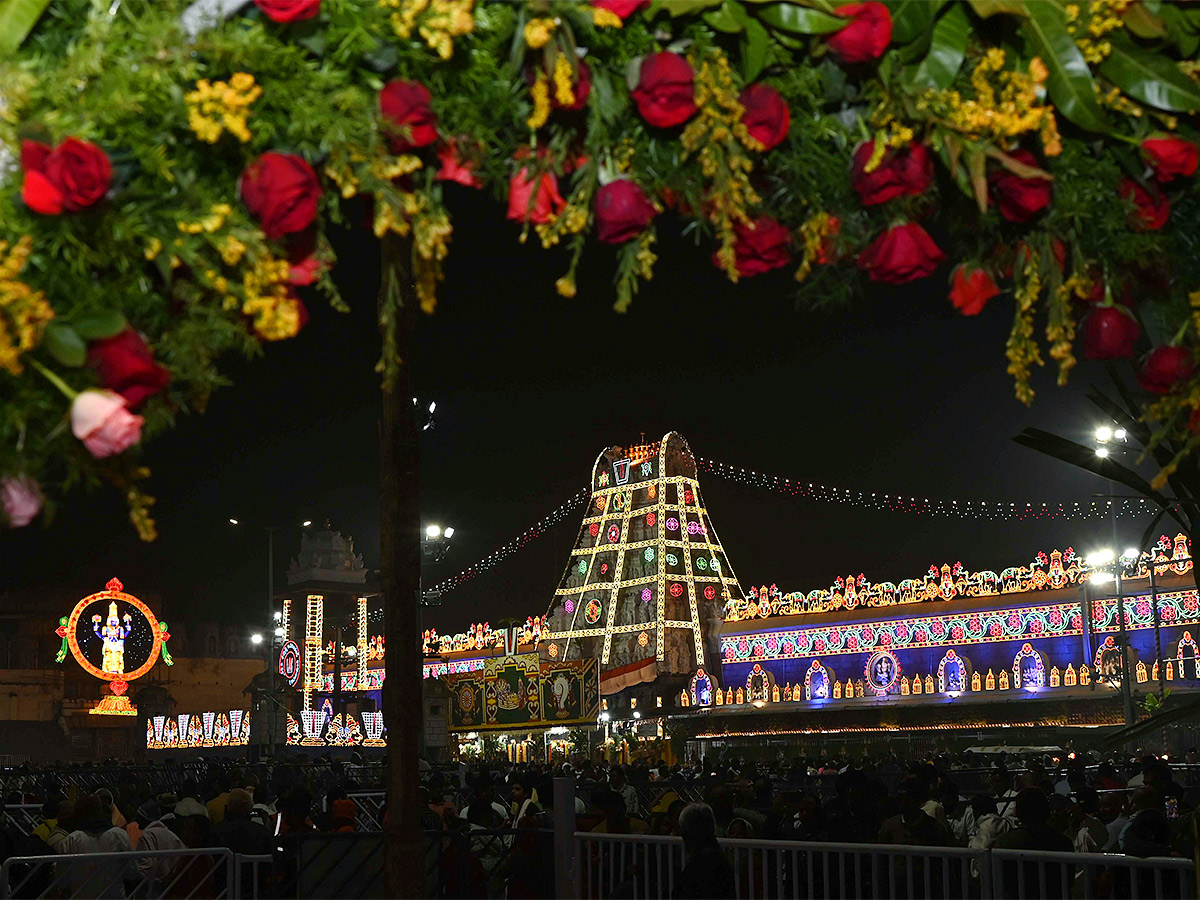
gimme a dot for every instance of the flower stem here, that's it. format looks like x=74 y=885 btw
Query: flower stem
x=69 y=392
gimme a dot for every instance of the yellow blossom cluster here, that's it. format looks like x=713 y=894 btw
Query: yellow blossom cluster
x=564 y=89
x=605 y=18
x=566 y=285
x=1022 y=350
x=24 y=312
x=1060 y=324
x=439 y=22
x=217 y=107
x=232 y=250
x=1089 y=26
x=139 y=510
x=540 y=94
x=214 y=221
x=719 y=140
x=813 y=234
x=268 y=299
x=1002 y=118
x=538 y=32
x=572 y=220
x=431 y=230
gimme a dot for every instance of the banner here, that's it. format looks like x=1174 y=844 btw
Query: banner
x=517 y=692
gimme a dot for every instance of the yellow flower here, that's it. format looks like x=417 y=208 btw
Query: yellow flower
x=538 y=32
x=232 y=250
x=540 y=93
x=153 y=248
x=565 y=286
x=564 y=92
x=606 y=18
x=24 y=312
x=217 y=107
x=437 y=21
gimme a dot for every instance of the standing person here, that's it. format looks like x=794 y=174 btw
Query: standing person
x=706 y=871
x=95 y=833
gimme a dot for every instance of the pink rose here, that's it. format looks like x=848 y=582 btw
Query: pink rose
x=21 y=499
x=101 y=421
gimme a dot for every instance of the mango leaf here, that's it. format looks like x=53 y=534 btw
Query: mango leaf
x=684 y=7
x=1017 y=167
x=911 y=18
x=730 y=17
x=987 y=8
x=1070 y=81
x=1142 y=22
x=96 y=326
x=65 y=345
x=1150 y=77
x=977 y=168
x=17 y=18
x=946 y=52
x=799 y=20
x=755 y=45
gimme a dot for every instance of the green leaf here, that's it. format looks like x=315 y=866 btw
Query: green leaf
x=65 y=345
x=1142 y=22
x=679 y=8
x=799 y=20
x=99 y=325
x=911 y=18
x=1150 y=77
x=987 y=8
x=17 y=18
x=1070 y=81
x=755 y=45
x=947 y=50
x=729 y=18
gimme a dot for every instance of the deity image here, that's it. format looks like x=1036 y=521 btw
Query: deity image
x=955 y=676
x=113 y=634
x=883 y=670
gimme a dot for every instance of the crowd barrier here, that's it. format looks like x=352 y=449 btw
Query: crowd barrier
x=635 y=866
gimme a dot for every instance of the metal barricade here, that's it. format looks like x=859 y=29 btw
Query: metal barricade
x=1040 y=875
x=253 y=876
x=205 y=872
x=22 y=817
x=370 y=809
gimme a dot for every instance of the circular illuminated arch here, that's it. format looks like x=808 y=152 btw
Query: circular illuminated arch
x=114 y=593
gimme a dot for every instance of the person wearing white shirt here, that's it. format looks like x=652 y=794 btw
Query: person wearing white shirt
x=103 y=878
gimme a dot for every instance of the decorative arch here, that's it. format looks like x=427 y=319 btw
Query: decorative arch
x=953 y=672
x=882 y=671
x=1027 y=668
x=701 y=688
x=759 y=683
x=818 y=682
x=1187 y=652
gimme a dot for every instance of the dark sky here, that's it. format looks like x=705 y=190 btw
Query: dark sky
x=895 y=393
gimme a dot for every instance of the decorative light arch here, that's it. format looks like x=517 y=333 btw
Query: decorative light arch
x=947 y=661
x=1187 y=641
x=701 y=688
x=759 y=683
x=813 y=670
x=1027 y=652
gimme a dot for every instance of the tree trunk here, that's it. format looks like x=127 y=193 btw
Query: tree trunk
x=400 y=565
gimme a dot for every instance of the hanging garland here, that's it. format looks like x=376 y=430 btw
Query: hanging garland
x=167 y=176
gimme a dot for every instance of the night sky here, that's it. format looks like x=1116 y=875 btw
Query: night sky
x=895 y=393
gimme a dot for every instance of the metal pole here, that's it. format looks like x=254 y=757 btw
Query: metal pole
x=1158 y=660
x=1126 y=692
x=270 y=641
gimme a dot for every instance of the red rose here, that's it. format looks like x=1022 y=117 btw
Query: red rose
x=766 y=114
x=622 y=9
x=405 y=108
x=971 y=289
x=281 y=191
x=1164 y=368
x=125 y=364
x=454 y=168
x=1108 y=333
x=289 y=10
x=622 y=212
x=1152 y=209
x=907 y=172
x=306 y=271
x=665 y=94
x=581 y=89
x=867 y=34
x=71 y=177
x=546 y=201
x=1170 y=156
x=759 y=247
x=902 y=253
x=1019 y=199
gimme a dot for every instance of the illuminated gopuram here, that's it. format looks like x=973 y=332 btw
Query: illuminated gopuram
x=647 y=579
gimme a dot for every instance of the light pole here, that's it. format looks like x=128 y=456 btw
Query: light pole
x=270 y=669
x=1106 y=566
x=435 y=544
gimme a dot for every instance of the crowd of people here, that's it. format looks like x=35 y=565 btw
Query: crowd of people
x=489 y=826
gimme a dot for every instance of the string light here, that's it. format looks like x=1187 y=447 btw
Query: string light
x=1010 y=511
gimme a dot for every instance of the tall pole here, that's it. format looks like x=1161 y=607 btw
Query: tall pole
x=1126 y=691
x=269 y=705
x=400 y=571
x=1158 y=660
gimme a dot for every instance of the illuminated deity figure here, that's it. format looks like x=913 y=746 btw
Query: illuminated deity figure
x=883 y=670
x=113 y=633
